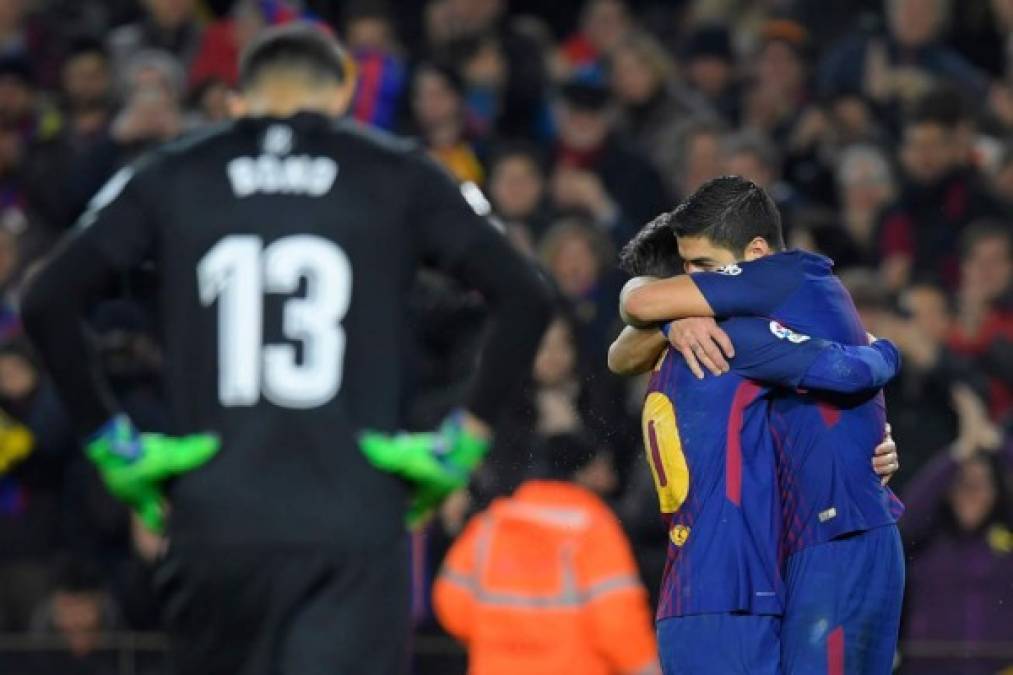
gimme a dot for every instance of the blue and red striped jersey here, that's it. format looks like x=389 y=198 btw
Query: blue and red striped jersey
x=713 y=459
x=824 y=442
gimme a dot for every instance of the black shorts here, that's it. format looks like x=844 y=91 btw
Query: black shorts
x=286 y=611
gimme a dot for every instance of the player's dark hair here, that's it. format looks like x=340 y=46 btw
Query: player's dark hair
x=653 y=251
x=294 y=47
x=730 y=211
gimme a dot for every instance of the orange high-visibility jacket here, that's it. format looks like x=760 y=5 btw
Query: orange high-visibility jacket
x=544 y=582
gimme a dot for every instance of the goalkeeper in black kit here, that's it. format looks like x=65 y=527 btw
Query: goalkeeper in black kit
x=285 y=244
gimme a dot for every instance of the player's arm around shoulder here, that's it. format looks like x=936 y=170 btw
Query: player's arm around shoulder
x=645 y=301
x=635 y=350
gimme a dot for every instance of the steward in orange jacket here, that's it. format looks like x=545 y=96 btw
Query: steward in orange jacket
x=544 y=582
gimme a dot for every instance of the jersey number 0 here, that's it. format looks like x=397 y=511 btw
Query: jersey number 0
x=236 y=273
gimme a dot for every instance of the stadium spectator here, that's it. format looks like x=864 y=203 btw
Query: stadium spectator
x=77 y=612
x=517 y=189
x=941 y=194
x=372 y=40
x=959 y=534
x=208 y=103
x=603 y=25
x=566 y=393
x=29 y=36
x=218 y=54
x=439 y=117
x=903 y=64
x=824 y=130
x=31 y=210
x=579 y=258
x=152 y=84
x=701 y=147
x=484 y=70
x=32 y=164
x=22 y=104
x=711 y=70
x=919 y=400
x=544 y=581
x=168 y=25
x=983 y=330
x=596 y=174
x=980 y=32
x=754 y=157
x=779 y=89
x=87 y=88
x=653 y=105
x=865 y=185
x=523 y=89
x=30 y=525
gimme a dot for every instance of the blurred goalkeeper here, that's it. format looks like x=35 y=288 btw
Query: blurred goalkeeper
x=285 y=244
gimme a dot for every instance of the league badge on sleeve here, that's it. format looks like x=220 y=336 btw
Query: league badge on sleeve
x=731 y=270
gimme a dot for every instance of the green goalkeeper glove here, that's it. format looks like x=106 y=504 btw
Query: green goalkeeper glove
x=134 y=465
x=437 y=463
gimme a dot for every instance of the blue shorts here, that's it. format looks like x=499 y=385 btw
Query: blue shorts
x=719 y=644
x=843 y=605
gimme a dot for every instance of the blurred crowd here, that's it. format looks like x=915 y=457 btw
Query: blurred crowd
x=883 y=129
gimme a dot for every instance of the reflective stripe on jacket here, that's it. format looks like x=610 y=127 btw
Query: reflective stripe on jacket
x=545 y=582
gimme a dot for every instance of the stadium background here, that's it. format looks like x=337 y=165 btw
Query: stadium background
x=884 y=131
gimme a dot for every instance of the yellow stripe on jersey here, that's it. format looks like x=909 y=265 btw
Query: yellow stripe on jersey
x=664 y=452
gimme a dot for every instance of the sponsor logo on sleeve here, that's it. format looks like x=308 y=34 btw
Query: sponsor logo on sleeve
x=783 y=333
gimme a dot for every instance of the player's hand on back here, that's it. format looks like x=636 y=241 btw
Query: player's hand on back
x=703 y=344
x=437 y=463
x=135 y=465
x=885 y=460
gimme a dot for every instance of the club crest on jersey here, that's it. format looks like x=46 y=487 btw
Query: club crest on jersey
x=782 y=333
x=679 y=534
x=731 y=270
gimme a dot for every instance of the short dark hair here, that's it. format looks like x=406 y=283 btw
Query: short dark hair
x=730 y=211
x=298 y=46
x=653 y=251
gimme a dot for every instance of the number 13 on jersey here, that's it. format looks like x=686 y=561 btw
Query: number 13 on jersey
x=236 y=273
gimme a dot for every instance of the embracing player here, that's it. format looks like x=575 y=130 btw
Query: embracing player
x=285 y=246
x=844 y=567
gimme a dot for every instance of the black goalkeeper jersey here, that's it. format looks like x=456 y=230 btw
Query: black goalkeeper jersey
x=284 y=252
